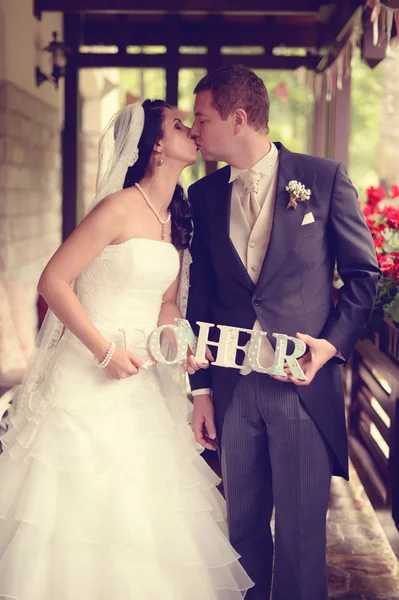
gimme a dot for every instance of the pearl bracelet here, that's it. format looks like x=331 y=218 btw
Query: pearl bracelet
x=107 y=358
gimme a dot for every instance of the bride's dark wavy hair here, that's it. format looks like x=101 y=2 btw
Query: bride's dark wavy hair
x=179 y=206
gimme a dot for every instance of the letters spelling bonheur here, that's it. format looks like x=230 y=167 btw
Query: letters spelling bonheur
x=227 y=347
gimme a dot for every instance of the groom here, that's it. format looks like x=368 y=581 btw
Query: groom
x=261 y=263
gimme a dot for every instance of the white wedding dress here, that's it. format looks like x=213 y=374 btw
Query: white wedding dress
x=103 y=493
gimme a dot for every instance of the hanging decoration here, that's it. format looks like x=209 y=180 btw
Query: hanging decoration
x=330 y=79
x=383 y=18
x=281 y=91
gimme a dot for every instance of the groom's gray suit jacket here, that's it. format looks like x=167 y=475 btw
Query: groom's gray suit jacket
x=294 y=289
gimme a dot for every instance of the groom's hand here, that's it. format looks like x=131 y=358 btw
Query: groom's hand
x=203 y=422
x=192 y=365
x=319 y=352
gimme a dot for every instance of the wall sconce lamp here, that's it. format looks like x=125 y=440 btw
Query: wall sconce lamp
x=58 y=52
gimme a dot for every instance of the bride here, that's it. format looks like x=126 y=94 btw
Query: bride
x=103 y=493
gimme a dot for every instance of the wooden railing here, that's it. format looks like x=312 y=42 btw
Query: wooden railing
x=372 y=386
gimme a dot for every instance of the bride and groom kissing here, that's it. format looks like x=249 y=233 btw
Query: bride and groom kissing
x=104 y=493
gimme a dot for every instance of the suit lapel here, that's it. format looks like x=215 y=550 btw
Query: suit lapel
x=220 y=204
x=286 y=223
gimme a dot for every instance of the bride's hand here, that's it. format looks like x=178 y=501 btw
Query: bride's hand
x=123 y=364
x=191 y=364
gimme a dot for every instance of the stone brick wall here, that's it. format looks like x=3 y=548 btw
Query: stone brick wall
x=30 y=217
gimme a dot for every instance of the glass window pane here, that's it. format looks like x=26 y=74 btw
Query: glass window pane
x=146 y=50
x=243 y=50
x=366 y=145
x=283 y=51
x=141 y=84
x=188 y=79
x=102 y=93
x=98 y=49
x=291 y=107
x=193 y=50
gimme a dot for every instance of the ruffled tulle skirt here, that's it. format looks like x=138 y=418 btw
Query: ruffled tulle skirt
x=104 y=496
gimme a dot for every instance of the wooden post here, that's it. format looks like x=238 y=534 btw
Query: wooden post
x=70 y=147
x=331 y=131
x=213 y=61
x=172 y=23
x=371 y=54
x=339 y=134
x=320 y=122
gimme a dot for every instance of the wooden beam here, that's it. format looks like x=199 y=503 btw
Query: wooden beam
x=172 y=59
x=268 y=32
x=182 y=6
x=340 y=24
x=122 y=60
x=213 y=62
x=394 y=466
x=340 y=126
x=335 y=33
x=193 y=61
x=36 y=10
x=320 y=120
x=368 y=473
x=371 y=54
x=289 y=63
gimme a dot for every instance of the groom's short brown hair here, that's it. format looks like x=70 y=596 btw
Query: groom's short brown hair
x=238 y=87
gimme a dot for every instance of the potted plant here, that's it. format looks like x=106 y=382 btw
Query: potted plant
x=381 y=211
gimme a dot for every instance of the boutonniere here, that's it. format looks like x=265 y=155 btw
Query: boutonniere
x=297 y=192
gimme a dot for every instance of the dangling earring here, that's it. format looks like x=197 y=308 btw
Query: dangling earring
x=160 y=160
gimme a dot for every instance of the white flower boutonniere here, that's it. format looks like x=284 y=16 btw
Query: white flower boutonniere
x=297 y=192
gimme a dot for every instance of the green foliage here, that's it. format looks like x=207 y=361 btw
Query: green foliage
x=366 y=95
x=290 y=122
x=188 y=79
x=142 y=83
x=392 y=309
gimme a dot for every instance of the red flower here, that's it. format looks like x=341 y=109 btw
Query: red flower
x=378 y=241
x=375 y=195
x=375 y=229
x=392 y=216
x=368 y=210
x=389 y=265
x=386 y=265
x=394 y=190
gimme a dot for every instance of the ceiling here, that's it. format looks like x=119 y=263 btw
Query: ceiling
x=317 y=28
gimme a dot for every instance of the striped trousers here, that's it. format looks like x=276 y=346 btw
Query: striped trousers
x=273 y=455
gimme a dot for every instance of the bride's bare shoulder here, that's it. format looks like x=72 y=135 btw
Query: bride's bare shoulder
x=119 y=203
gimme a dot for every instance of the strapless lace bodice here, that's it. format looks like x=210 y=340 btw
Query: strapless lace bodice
x=124 y=285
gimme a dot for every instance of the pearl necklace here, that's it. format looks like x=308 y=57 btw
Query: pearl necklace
x=154 y=210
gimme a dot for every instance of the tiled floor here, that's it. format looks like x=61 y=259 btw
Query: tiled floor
x=357 y=597
x=362 y=564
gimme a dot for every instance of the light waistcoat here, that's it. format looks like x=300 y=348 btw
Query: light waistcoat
x=251 y=244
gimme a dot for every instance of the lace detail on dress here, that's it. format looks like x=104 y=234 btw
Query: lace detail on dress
x=184 y=285
x=122 y=288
